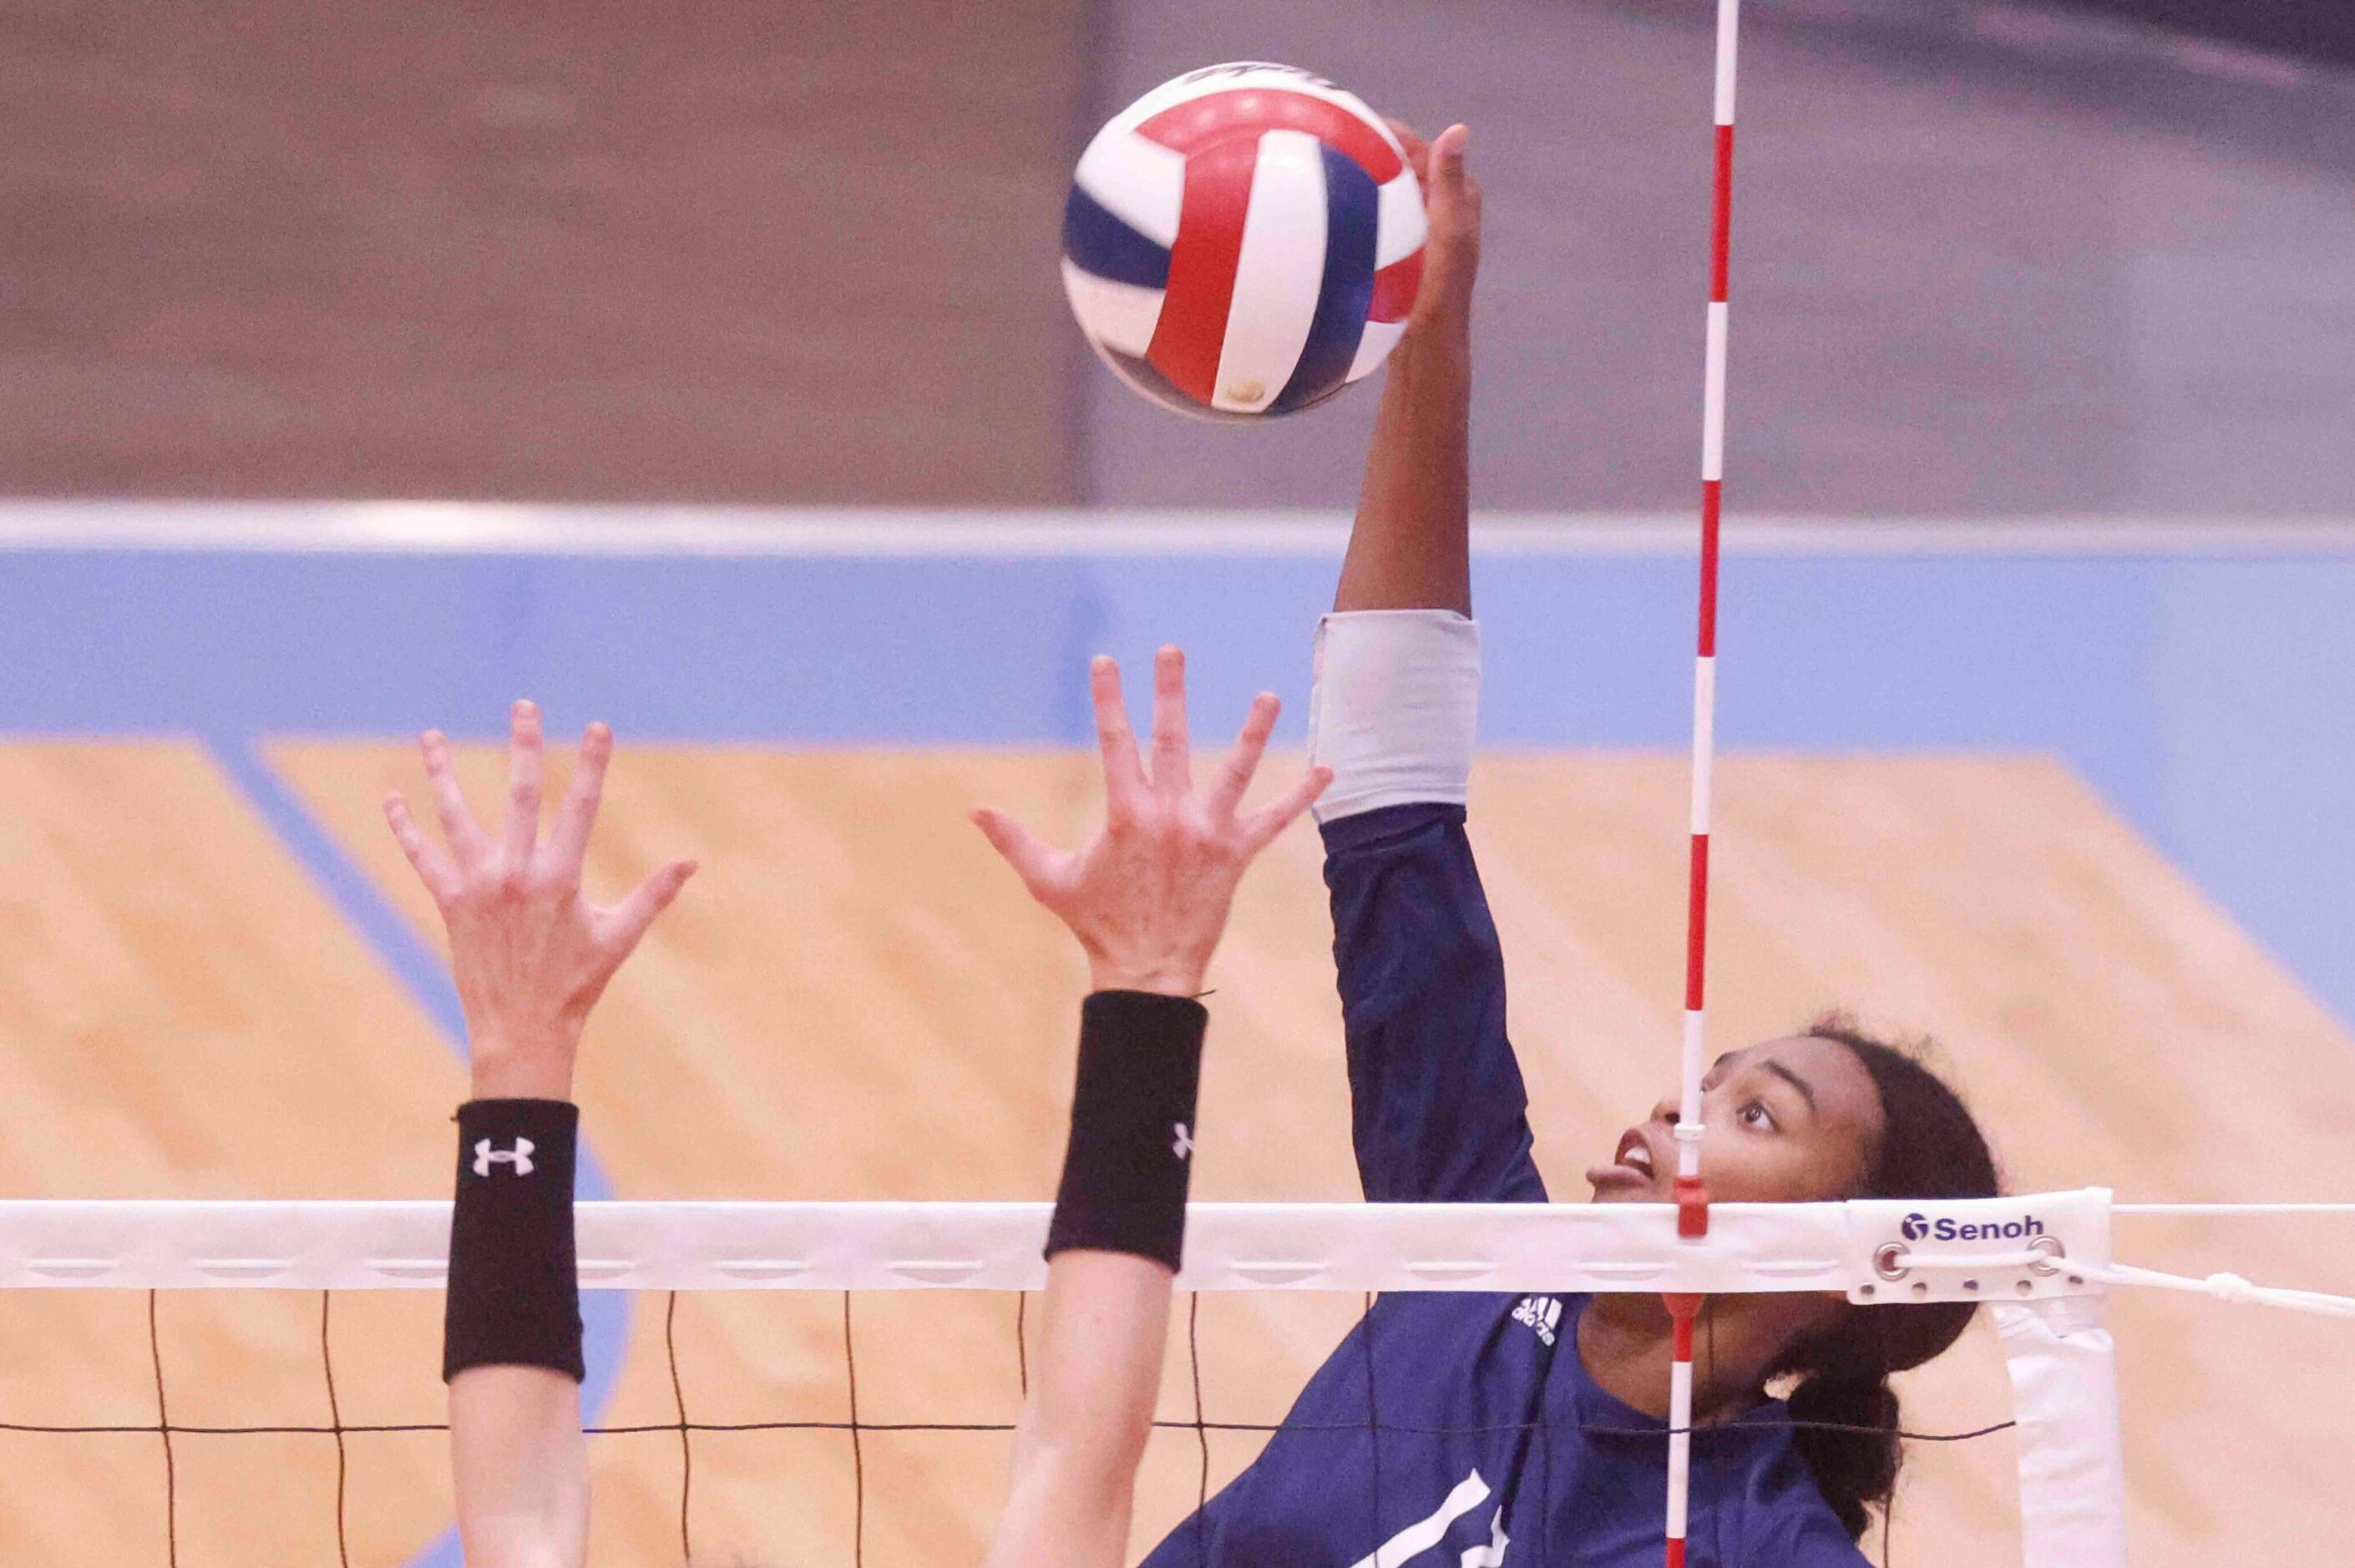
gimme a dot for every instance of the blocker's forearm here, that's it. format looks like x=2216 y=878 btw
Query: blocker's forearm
x=1091 y=1411
x=1115 y=1244
x=511 y=1341
x=521 y=1468
x=1411 y=547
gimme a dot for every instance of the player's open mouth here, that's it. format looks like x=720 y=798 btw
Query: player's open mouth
x=1631 y=1169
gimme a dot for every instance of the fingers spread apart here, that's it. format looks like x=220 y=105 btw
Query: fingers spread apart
x=527 y=766
x=471 y=852
x=1034 y=861
x=627 y=921
x=467 y=845
x=1243 y=762
x=433 y=867
x=568 y=839
x=1260 y=828
x=1173 y=766
x=1124 y=774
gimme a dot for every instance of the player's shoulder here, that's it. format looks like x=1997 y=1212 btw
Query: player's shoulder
x=1483 y=1346
x=1785 y=1521
x=1470 y=1316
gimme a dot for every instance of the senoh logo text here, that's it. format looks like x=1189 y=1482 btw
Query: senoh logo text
x=1917 y=1227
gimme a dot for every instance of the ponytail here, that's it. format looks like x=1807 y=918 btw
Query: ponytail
x=1853 y=1469
x=1930 y=1147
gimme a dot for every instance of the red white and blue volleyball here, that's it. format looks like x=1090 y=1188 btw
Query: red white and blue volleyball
x=1245 y=240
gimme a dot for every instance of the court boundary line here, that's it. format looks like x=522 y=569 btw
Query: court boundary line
x=481 y=527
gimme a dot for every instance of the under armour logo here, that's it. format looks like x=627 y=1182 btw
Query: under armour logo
x=1183 y=1144
x=519 y=1157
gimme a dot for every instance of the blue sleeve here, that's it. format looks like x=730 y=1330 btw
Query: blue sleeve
x=1438 y=1111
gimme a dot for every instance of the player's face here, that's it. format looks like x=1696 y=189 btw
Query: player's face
x=1788 y=1121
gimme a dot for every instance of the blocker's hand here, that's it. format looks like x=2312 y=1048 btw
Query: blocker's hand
x=1149 y=898
x=1451 y=206
x=529 y=954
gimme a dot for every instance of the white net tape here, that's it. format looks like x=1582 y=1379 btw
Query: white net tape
x=2031 y=1247
x=1860 y=1248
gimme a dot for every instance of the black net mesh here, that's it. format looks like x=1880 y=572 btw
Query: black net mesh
x=345 y=1433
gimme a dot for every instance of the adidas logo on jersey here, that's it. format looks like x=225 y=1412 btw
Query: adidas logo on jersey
x=1182 y=1145
x=1543 y=1313
x=519 y=1157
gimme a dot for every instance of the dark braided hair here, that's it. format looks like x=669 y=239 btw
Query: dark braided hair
x=1930 y=1147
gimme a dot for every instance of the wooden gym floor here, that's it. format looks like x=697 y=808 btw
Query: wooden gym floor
x=854 y=1001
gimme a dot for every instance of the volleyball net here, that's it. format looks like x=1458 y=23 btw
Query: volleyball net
x=865 y=1424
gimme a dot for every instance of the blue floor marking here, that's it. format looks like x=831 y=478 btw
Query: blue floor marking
x=604 y=1314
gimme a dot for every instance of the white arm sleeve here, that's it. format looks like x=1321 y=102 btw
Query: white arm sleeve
x=1394 y=709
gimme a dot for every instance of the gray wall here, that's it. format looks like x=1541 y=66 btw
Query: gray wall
x=1985 y=261
x=2322 y=29
x=758 y=249
x=1988 y=260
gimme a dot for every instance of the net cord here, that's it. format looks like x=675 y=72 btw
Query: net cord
x=2229 y=1288
x=2226 y=1211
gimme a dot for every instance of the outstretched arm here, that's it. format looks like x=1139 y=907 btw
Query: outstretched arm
x=1410 y=549
x=1435 y=1096
x=531 y=957
x=1147 y=900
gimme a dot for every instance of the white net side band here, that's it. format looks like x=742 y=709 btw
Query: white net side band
x=2009 y=1248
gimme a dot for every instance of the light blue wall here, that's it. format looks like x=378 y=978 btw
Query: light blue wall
x=2208 y=699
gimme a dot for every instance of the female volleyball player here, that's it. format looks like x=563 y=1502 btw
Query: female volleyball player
x=1147 y=900
x=1452 y=1429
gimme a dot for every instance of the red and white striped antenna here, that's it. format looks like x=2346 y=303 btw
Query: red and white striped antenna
x=1692 y=1193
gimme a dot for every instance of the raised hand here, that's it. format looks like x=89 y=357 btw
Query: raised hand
x=1148 y=896
x=1451 y=205
x=529 y=954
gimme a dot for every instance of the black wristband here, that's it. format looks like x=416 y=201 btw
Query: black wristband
x=514 y=1293
x=1127 y=1167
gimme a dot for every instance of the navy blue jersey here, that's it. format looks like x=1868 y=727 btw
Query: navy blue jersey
x=1461 y=1429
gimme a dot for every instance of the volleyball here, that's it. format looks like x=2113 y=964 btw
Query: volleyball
x=1243 y=242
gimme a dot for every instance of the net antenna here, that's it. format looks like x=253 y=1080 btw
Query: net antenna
x=1691 y=1191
